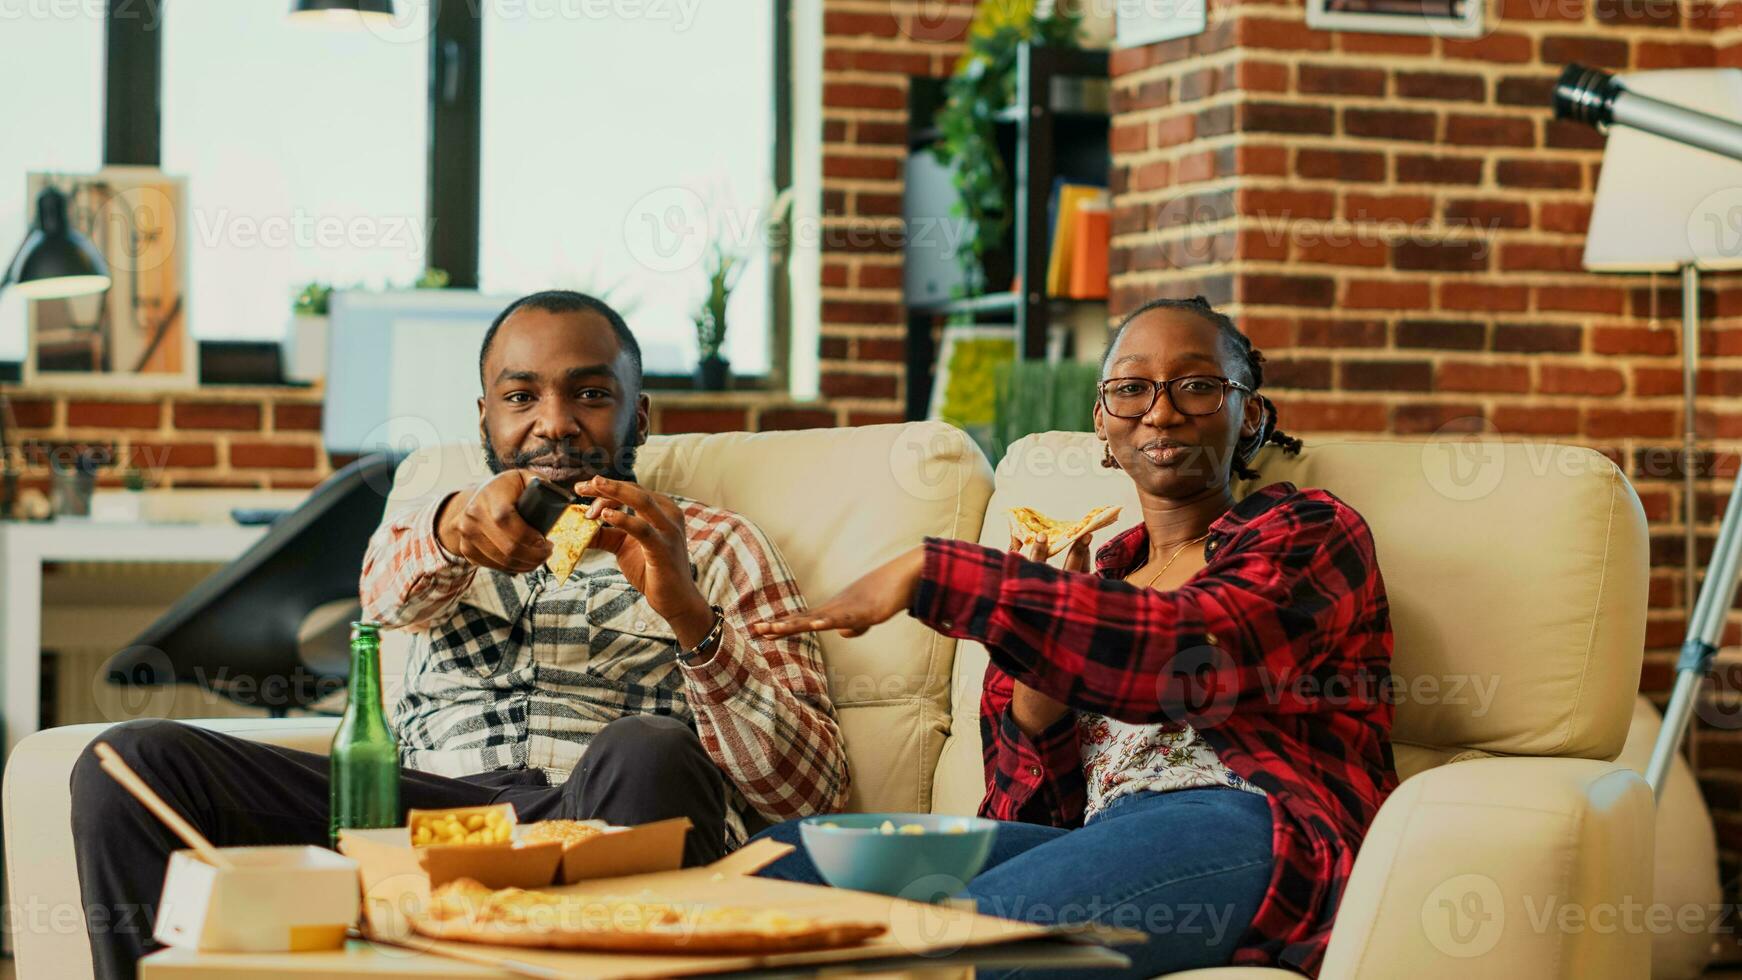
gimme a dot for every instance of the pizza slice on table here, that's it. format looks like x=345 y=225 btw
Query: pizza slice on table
x=1026 y=524
x=467 y=911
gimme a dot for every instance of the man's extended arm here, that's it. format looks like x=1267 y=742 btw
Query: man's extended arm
x=762 y=703
x=422 y=559
x=409 y=580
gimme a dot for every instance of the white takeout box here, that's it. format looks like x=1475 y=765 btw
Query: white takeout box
x=275 y=899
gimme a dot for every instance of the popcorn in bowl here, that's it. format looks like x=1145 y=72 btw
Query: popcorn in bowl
x=912 y=829
x=894 y=853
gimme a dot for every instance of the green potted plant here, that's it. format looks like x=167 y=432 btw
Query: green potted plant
x=127 y=506
x=724 y=267
x=983 y=85
x=314 y=299
x=305 y=346
x=723 y=261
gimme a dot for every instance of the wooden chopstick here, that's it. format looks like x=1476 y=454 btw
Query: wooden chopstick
x=115 y=766
x=480 y=956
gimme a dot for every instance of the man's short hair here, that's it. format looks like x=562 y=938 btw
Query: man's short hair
x=566 y=301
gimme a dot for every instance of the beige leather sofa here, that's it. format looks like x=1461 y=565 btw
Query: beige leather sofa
x=1517 y=578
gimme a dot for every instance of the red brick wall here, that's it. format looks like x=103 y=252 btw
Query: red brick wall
x=1398 y=221
x=270 y=438
x=261 y=438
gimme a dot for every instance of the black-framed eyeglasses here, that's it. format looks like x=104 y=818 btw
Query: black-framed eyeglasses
x=1196 y=394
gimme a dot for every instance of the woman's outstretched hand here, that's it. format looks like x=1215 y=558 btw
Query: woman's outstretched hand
x=882 y=593
x=887 y=590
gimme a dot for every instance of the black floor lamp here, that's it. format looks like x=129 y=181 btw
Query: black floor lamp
x=53 y=262
x=1644 y=226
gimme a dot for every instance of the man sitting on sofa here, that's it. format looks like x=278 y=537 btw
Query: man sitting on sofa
x=630 y=693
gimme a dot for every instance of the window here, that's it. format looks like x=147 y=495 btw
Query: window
x=612 y=144
x=304 y=148
x=58 y=128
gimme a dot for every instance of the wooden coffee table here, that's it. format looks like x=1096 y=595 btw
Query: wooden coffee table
x=359 y=959
x=362 y=960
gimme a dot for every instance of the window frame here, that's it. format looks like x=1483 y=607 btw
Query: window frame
x=133 y=83
x=133 y=128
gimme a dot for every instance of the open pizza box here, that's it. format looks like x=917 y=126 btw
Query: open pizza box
x=396 y=888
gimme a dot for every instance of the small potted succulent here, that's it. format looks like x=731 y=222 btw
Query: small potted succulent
x=305 y=348
x=126 y=506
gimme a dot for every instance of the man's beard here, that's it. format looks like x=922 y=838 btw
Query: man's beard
x=594 y=460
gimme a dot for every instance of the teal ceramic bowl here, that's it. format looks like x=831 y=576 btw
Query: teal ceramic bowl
x=851 y=851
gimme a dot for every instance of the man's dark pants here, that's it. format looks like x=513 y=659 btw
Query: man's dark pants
x=637 y=769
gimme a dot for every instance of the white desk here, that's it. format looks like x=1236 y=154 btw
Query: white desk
x=24 y=547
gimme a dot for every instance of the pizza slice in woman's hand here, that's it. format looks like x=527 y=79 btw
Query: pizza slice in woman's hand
x=1026 y=524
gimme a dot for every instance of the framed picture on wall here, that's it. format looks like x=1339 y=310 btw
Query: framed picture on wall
x=136 y=333
x=1142 y=22
x=963 y=393
x=1447 y=18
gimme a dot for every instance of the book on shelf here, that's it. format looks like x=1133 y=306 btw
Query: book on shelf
x=1093 y=236
x=1070 y=201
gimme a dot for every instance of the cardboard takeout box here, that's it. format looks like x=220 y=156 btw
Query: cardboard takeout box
x=618 y=851
x=397 y=888
x=275 y=899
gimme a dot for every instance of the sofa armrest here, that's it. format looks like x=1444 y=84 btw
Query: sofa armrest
x=1503 y=867
x=46 y=923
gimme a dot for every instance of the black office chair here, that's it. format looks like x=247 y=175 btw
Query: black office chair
x=269 y=629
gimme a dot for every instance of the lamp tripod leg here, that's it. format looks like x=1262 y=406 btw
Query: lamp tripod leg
x=1690 y=344
x=1705 y=632
x=1718 y=592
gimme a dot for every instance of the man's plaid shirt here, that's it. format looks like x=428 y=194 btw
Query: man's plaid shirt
x=515 y=672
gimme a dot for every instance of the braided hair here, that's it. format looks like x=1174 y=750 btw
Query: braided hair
x=1246 y=357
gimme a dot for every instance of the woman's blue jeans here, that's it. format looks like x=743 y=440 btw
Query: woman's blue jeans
x=1188 y=867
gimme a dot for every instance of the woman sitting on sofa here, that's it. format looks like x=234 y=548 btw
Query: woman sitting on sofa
x=1193 y=739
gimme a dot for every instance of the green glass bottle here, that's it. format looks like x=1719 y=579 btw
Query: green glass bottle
x=365 y=755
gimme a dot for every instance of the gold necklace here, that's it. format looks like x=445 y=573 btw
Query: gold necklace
x=1177 y=552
